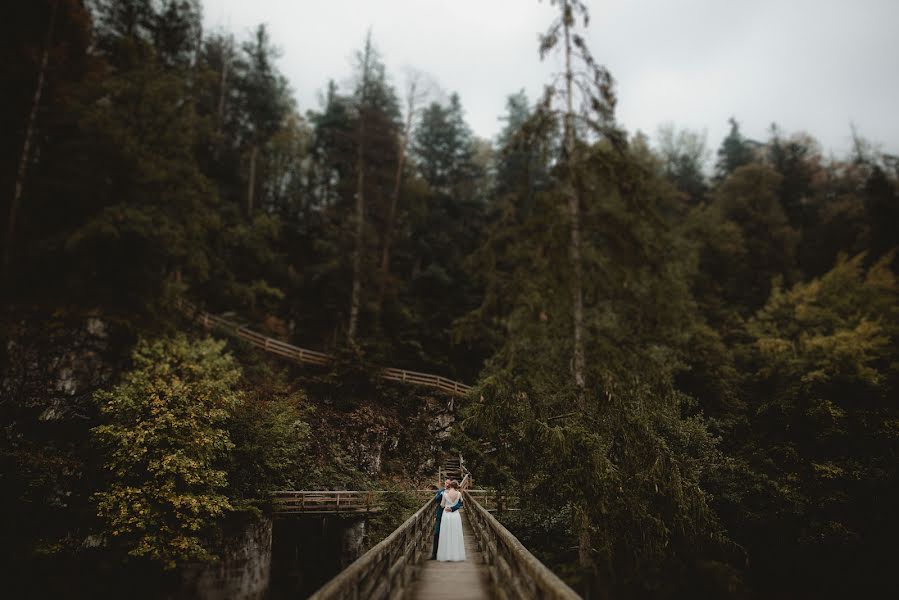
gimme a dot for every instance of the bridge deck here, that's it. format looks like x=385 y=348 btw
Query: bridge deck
x=454 y=580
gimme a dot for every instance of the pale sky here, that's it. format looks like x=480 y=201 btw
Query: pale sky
x=809 y=65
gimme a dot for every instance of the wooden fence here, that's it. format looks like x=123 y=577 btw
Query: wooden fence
x=514 y=571
x=386 y=570
x=326 y=502
x=313 y=357
x=491 y=500
x=295 y=502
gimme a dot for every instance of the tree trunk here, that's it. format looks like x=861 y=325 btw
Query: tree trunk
x=26 y=146
x=394 y=202
x=223 y=88
x=577 y=294
x=251 y=185
x=356 y=293
x=584 y=552
x=356 y=297
x=574 y=248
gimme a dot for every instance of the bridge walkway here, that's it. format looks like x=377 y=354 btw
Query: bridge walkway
x=454 y=580
x=496 y=566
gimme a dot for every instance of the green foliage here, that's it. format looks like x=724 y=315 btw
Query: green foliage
x=825 y=363
x=262 y=91
x=632 y=464
x=819 y=365
x=272 y=445
x=399 y=505
x=443 y=146
x=735 y=152
x=684 y=154
x=796 y=160
x=165 y=440
x=746 y=242
x=156 y=215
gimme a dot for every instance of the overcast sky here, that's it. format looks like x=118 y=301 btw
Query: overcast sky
x=809 y=65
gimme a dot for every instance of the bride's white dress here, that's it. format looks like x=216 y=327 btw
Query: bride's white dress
x=451 y=543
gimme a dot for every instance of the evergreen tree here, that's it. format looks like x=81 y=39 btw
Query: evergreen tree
x=684 y=154
x=152 y=221
x=414 y=96
x=590 y=465
x=597 y=100
x=43 y=62
x=794 y=160
x=376 y=125
x=128 y=28
x=746 y=242
x=881 y=197
x=264 y=103
x=443 y=146
x=523 y=165
x=735 y=151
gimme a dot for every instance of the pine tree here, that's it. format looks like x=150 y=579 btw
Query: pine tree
x=25 y=156
x=597 y=104
x=735 y=151
x=376 y=125
x=684 y=154
x=127 y=29
x=590 y=464
x=414 y=96
x=795 y=160
x=264 y=103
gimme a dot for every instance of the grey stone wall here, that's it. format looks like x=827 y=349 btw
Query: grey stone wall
x=244 y=569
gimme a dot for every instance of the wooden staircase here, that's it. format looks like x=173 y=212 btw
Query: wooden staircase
x=452 y=467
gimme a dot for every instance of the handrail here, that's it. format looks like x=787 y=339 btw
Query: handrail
x=515 y=572
x=285 y=503
x=385 y=570
x=464 y=472
x=314 y=357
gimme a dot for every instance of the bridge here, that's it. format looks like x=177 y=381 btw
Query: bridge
x=497 y=565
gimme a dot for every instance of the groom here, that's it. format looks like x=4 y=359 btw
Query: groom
x=439 y=516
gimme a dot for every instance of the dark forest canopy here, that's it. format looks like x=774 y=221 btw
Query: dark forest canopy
x=689 y=377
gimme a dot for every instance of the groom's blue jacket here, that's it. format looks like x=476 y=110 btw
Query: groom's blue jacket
x=453 y=508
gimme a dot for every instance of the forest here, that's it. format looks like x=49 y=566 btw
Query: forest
x=688 y=375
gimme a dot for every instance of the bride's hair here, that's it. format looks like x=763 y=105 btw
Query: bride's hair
x=454 y=484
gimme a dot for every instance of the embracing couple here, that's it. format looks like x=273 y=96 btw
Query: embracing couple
x=449 y=545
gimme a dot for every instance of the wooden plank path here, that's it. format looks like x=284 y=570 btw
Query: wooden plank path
x=497 y=566
x=465 y=580
x=314 y=357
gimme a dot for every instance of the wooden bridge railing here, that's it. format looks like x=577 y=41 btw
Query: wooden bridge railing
x=326 y=502
x=514 y=571
x=386 y=570
x=295 y=502
x=491 y=500
x=313 y=357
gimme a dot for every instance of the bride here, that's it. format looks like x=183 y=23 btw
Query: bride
x=451 y=544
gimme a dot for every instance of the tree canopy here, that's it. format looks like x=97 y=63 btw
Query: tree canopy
x=684 y=364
